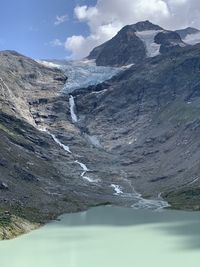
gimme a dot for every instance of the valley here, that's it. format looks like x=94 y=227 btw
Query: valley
x=118 y=128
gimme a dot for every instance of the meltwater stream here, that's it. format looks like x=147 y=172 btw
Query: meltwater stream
x=85 y=73
x=109 y=237
x=138 y=201
x=72 y=109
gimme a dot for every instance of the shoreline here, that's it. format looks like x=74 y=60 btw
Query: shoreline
x=17 y=226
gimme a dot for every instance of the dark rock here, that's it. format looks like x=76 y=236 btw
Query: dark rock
x=157 y=179
x=125 y=48
x=3 y=163
x=61 y=79
x=3 y=186
x=168 y=41
x=145 y=26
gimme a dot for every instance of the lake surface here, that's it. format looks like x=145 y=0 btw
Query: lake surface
x=109 y=237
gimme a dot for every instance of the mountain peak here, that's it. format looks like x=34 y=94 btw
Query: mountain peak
x=134 y=43
x=141 y=26
x=187 y=31
x=145 y=26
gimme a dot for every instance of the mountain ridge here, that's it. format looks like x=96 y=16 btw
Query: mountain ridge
x=133 y=43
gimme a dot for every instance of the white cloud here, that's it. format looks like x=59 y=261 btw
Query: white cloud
x=85 y=12
x=80 y=46
x=56 y=43
x=60 y=19
x=108 y=17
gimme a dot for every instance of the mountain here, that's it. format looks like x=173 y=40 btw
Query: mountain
x=149 y=116
x=134 y=43
x=132 y=140
x=190 y=35
x=187 y=31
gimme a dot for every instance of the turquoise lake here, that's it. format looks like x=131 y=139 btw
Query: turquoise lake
x=109 y=237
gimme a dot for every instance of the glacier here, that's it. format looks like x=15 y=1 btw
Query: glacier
x=148 y=37
x=82 y=73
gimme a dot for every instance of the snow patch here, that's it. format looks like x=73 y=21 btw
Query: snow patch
x=192 y=39
x=147 y=37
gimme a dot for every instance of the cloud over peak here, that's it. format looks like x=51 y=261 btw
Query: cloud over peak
x=106 y=18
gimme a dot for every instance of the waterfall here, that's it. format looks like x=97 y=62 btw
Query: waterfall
x=72 y=109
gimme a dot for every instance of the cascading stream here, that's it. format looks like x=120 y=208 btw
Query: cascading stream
x=72 y=109
x=118 y=190
x=139 y=201
x=67 y=149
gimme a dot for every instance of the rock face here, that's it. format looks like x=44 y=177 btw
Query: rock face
x=168 y=40
x=123 y=49
x=134 y=43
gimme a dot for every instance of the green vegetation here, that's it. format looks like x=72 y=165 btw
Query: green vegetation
x=187 y=199
x=5 y=219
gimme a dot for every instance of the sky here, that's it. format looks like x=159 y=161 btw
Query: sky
x=70 y=29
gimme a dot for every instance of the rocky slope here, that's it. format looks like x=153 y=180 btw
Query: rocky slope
x=149 y=116
x=39 y=179
x=48 y=164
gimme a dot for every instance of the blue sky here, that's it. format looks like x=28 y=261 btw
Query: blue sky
x=28 y=26
x=48 y=29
